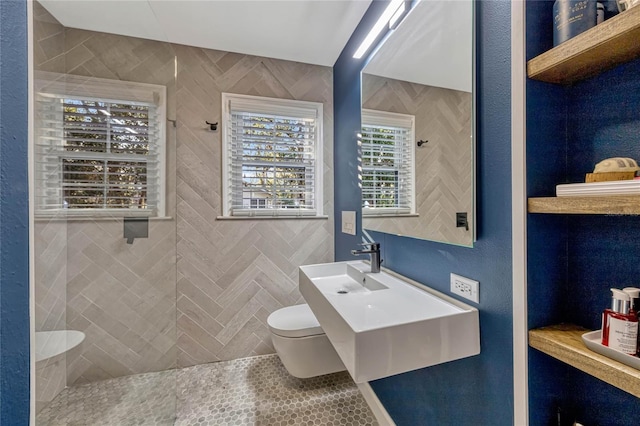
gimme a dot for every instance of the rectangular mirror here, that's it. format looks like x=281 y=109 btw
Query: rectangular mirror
x=417 y=144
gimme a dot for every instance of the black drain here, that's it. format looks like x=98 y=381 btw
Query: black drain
x=342 y=292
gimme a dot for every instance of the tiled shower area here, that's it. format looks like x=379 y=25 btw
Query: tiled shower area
x=174 y=322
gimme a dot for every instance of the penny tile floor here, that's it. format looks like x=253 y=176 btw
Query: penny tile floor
x=249 y=391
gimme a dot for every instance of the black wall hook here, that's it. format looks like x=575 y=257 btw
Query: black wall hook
x=421 y=142
x=212 y=126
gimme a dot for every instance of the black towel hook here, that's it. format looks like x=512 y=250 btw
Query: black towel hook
x=212 y=126
x=421 y=142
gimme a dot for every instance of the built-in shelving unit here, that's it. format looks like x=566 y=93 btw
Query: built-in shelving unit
x=607 y=205
x=603 y=47
x=564 y=343
x=600 y=48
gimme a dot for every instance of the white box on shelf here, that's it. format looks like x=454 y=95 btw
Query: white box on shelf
x=617 y=187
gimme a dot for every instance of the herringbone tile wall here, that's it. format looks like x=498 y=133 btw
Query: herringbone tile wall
x=233 y=273
x=199 y=289
x=122 y=296
x=443 y=166
x=51 y=275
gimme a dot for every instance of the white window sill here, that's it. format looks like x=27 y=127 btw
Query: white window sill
x=373 y=216
x=271 y=217
x=61 y=218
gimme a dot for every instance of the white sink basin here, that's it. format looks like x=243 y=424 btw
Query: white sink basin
x=383 y=324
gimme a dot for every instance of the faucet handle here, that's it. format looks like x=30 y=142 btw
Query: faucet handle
x=373 y=245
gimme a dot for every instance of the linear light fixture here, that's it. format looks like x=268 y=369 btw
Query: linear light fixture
x=395 y=19
x=389 y=13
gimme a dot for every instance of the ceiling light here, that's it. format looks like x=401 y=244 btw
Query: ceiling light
x=388 y=13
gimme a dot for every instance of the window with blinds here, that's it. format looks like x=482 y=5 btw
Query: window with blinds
x=99 y=148
x=387 y=153
x=273 y=151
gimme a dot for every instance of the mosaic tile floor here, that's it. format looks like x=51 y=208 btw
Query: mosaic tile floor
x=249 y=391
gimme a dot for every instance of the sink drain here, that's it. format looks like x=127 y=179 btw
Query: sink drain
x=342 y=292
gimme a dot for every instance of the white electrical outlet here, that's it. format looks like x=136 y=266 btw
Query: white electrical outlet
x=465 y=287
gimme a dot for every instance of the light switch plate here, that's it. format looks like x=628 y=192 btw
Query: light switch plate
x=349 y=222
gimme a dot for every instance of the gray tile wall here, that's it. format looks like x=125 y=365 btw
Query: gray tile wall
x=443 y=166
x=122 y=296
x=233 y=274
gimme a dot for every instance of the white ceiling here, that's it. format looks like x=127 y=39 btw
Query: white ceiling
x=432 y=46
x=309 y=31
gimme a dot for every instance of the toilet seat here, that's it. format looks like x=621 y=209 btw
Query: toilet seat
x=294 y=321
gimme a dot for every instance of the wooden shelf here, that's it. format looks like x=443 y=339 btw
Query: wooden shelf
x=564 y=343
x=600 y=48
x=609 y=205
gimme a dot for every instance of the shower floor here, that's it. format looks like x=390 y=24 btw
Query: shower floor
x=249 y=391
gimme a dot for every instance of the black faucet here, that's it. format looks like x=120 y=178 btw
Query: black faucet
x=374 y=251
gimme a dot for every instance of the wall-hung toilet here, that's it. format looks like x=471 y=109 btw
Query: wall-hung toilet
x=301 y=344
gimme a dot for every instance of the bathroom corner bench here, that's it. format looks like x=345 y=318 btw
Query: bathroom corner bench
x=564 y=343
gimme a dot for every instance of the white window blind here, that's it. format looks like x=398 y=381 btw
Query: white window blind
x=387 y=152
x=273 y=152
x=99 y=147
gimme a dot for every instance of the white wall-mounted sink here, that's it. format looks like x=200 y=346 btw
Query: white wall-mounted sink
x=383 y=324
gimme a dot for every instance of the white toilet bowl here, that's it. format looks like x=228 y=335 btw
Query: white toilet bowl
x=301 y=344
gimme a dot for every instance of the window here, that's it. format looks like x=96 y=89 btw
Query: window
x=273 y=151
x=387 y=163
x=99 y=147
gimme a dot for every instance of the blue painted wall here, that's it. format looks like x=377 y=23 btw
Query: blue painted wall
x=14 y=236
x=347 y=100
x=476 y=390
x=574 y=260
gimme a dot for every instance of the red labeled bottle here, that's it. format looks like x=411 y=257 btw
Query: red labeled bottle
x=619 y=326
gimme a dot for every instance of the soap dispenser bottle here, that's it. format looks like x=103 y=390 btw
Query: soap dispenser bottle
x=619 y=326
x=634 y=307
